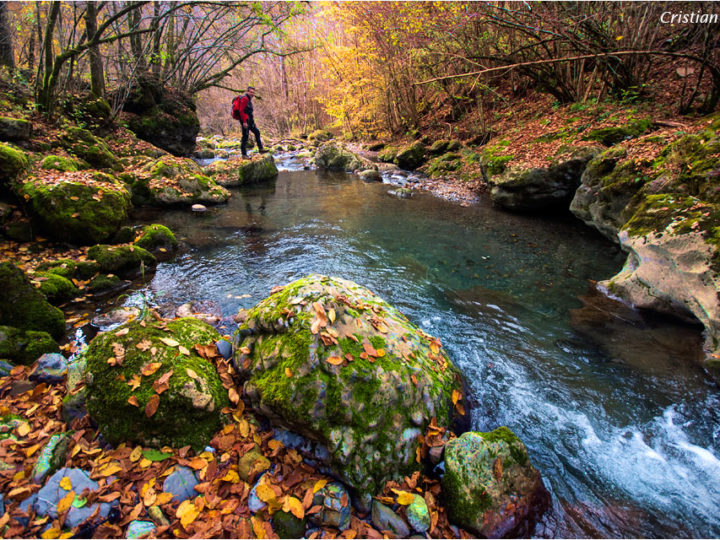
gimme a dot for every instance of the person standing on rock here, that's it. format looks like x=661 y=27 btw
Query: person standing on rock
x=243 y=111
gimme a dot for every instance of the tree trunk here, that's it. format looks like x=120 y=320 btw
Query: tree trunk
x=136 y=42
x=49 y=78
x=97 y=76
x=6 y=49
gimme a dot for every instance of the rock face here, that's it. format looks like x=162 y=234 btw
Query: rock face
x=187 y=412
x=163 y=117
x=237 y=172
x=78 y=207
x=24 y=307
x=540 y=188
x=665 y=212
x=334 y=157
x=490 y=487
x=326 y=358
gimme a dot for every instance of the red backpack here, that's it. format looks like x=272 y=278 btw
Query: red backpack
x=235 y=113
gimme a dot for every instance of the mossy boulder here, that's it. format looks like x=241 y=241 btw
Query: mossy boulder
x=438 y=147
x=388 y=154
x=25 y=346
x=549 y=188
x=326 y=358
x=84 y=145
x=157 y=239
x=490 y=487
x=334 y=157
x=77 y=207
x=188 y=411
x=24 y=307
x=14 y=129
x=57 y=289
x=124 y=260
x=69 y=268
x=411 y=157
x=179 y=181
x=237 y=171
x=320 y=135
x=103 y=283
x=62 y=164
x=494 y=159
x=444 y=164
x=13 y=162
x=610 y=136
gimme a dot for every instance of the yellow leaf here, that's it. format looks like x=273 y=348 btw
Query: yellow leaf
x=187 y=513
x=319 y=485
x=149 y=369
x=619 y=38
x=294 y=506
x=331 y=316
x=231 y=476
x=265 y=493
x=183 y=350
x=170 y=342
x=258 y=527
x=380 y=353
x=164 y=498
x=65 y=502
x=404 y=497
x=23 y=429
x=51 y=533
x=434 y=347
x=110 y=469
x=456 y=396
x=274 y=444
x=136 y=454
x=65 y=535
x=244 y=428
x=288 y=372
x=30 y=451
x=65 y=483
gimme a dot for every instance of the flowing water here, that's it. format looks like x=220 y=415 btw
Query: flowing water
x=618 y=417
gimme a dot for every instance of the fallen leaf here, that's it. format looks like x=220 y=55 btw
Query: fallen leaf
x=150 y=368
x=404 y=497
x=65 y=483
x=110 y=469
x=334 y=360
x=191 y=374
x=122 y=332
x=23 y=429
x=187 y=512
x=134 y=382
x=265 y=493
x=152 y=405
x=294 y=506
x=456 y=396
x=183 y=350
x=319 y=485
x=133 y=400
x=170 y=342
x=136 y=454
x=144 y=345
x=288 y=372
x=233 y=395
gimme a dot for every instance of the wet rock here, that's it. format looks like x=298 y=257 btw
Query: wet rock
x=354 y=395
x=170 y=181
x=73 y=405
x=51 y=457
x=224 y=348
x=411 y=157
x=51 y=368
x=188 y=412
x=333 y=157
x=189 y=309
x=52 y=493
x=181 y=483
x=251 y=463
x=384 y=519
x=418 y=515
x=490 y=486
x=116 y=317
x=370 y=175
x=238 y=171
x=158 y=240
x=402 y=193
x=335 y=502
x=137 y=528
x=286 y=525
x=199 y=208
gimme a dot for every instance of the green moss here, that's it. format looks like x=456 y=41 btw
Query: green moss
x=411 y=157
x=388 y=155
x=56 y=288
x=156 y=237
x=189 y=412
x=13 y=162
x=493 y=159
x=613 y=135
x=121 y=260
x=24 y=347
x=61 y=163
x=86 y=146
x=517 y=450
x=103 y=282
x=24 y=307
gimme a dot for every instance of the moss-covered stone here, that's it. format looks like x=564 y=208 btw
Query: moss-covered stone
x=494 y=159
x=77 y=208
x=334 y=157
x=124 y=260
x=189 y=411
x=444 y=164
x=14 y=129
x=237 y=171
x=24 y=307
x=411 y=157
x=25 y=346
x=13 y=162
x=438 y=147
x=158 y=239
x=179 y=181
x=68 y=268
x=320 y=135
x=103 y=282
x=610 y=136
x=490 y=487
x=83 y=144
x=388 y=155
x=349 y=385
x=57 y=289
x=61 y=163
x=286 y=525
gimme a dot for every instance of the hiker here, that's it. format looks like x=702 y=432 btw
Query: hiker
x=243 y=111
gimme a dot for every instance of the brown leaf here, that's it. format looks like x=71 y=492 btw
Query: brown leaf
x=161 y=384
x=122 y=332
x=133 y=400
x=334 y=360
x=170 y=342
x=152 y=405
x=191 y=373
x=150 y=368
x=144 y=345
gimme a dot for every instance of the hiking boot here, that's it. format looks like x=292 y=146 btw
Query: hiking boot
x=245 y=156
x=263 y=151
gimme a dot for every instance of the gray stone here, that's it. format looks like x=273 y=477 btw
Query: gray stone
x=181 y=483
x=14 y=129
x=51 y=368
x=335 y=502
x=198 y=208
x=334 y=157
x=286 y=525
x=418 y=515
x=370 y=175
x=51 y=457
x=384 y=519
x=224 y=347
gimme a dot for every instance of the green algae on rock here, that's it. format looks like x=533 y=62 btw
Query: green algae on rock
x=326 y=358
x=490 y=486
x=83 y=144
x=119 y=396
x=77 y=207
x=235 y=172
x=23 y=306
x=62 y=164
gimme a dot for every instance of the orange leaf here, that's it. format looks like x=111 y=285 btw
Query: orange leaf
x=122 y=332
x=319 y=485
x=294 y=506
x=334 y=360
x=456 y=396
x=144 y=345
x=233 y=395
x=133 y=400
x=152 y=405
x=288 y=372
x=369 y=349
x=149 y=369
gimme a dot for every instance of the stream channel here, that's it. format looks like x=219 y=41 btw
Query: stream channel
x=617 y=415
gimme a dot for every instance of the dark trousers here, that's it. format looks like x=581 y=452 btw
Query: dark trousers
x=245 y=133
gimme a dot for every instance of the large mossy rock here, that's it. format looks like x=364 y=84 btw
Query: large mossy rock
x=237 y=171
x=333 y=157
x=124 y=260
x=56 y=288
x=546 y=188
x=158 y=240
x=411 y=157
x=13 y=162
x=23 y=306
x=610 y=136
x=84 y=145
x=162 y=116
x=188 y=411
x=77 y=207
x=14 y=129
x=25 y=346
x=179 y=181
x=365 y=386
x=490 y=487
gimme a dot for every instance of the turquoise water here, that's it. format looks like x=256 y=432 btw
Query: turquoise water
x=616 y=414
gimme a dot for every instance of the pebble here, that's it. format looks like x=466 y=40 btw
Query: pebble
x=181 y=483
x=335 y=502
x=156 y=514
x=137 y=528
x=224 y=347
x=51 y=368
x=199 y=208
x=418 y=515
x=384 y=519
